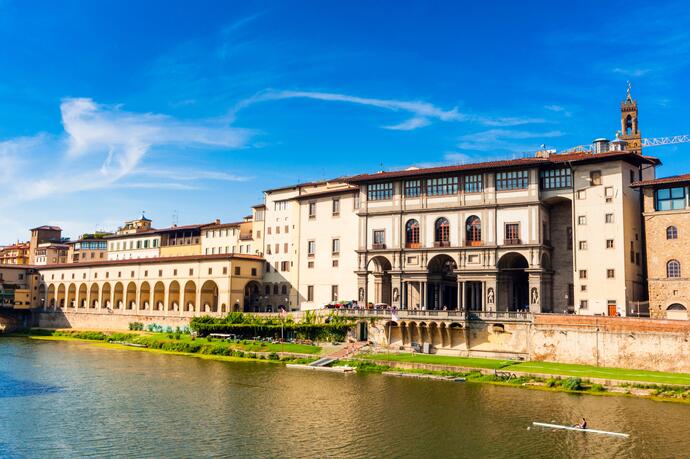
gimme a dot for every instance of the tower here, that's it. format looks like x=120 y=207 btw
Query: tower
x=630 y=132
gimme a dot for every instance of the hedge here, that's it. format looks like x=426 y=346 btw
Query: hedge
x=314 y=332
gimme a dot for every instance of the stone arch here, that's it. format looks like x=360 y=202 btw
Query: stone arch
x=442 y=282
x=131 y=296
x=43 y=303
x=145 y=296
x=106 y=292
x=209 y=297
x=52 y=302
x=442 y=232
x=189 y=303
x=252 y=299
x=60 y=301
x=174 y=296
x=119 y=296
x=677 y=311
x=435 y=335
x=393 y=333
x=512 y=282
x=72 y=296
x=159 y=296
x=82 y=299
x=380 y=290
x=94 y=300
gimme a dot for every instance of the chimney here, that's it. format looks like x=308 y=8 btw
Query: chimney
x=217 y=221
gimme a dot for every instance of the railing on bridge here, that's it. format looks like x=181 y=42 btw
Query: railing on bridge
x=437 y=314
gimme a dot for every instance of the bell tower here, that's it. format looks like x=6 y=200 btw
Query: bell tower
x=630 y=131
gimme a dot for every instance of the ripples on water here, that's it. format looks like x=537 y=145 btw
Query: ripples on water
x=61 y=399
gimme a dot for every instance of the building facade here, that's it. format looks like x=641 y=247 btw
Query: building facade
x=15 y=254
x=667 y=240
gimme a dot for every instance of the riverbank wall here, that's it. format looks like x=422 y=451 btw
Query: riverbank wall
x=100 y=321
x=622 y=342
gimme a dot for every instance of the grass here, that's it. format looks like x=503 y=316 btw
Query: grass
x=249 y=345
x=469 y=362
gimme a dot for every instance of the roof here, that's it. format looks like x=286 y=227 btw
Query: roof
x=259 y=206
x=303 y=184
x=47 y=227
x=675 y=179
x=331 y=192
x=156 y=260
x=554 y=159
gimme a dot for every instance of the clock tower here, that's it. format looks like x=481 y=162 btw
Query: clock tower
x=630 y=132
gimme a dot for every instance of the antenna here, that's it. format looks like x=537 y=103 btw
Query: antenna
x=175 y=218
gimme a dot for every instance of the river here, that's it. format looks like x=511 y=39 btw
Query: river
x=72 y=399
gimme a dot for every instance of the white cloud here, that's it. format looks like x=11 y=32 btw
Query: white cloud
x=409 y=125
x=631 y=72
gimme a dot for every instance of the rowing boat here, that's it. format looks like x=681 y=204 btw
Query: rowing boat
x=558 y=426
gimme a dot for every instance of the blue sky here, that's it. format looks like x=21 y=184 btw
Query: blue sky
x=193 y=108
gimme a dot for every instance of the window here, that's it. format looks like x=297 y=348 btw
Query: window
x=285 y=266
x=583 y=274
x=283 y=290
x=556 y=178
x=413 y=188
x=268 y=230
x=583 y=304
x=335 y=206
x=632 y=175
x=581 y=194
x=583 y=287
x=254 y=272
x=583 y=245
x=379 y=191
x=473 y=183
x=277 y=248
x=311 y=248
x=334 y=263
x=473 y=230
x=146 y=244
x=673 y=268
x=335 y=246
x=287 y=229
x=379 y=239
x=280 y=205
x=276 y=289
x=285 y=248
x=608 y=218
x=225 y=269
x=582 y=220
x=355 y=201
x=412 y=234
x=609 y=243
x=608 y=191
x=512 y=233
x=238 y=270
x=334 y=293
x=670 y=198
x=442 y=232
x=191 y=272
x=514 y=180
x=138 y=244
x=610 y=273
x=310 y=264
x=312 y=213
x=310 y=293
x=442 y=186
x=595 y=177
x=174 y=272
x=671 y=232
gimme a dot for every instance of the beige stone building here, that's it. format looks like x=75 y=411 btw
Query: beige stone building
x=667 y=240
x=89 y=247
x=51 y=253
x=42 y=236
x=15 y=254
x=135 y=239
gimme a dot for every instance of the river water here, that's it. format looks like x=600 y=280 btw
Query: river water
x=70 y=399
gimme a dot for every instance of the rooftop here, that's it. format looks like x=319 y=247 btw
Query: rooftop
x=675 y=179
x=155 y=260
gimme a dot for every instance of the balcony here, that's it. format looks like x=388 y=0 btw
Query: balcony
x=442 y=244
x=412 y=245
x=511 y=241
x=245 y=236
x=378 y=246
x=473 y=243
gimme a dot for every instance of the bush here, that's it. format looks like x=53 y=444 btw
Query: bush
x=573 y=384
x=551 y=382
x=273 y=356
x=597 y=388
x=136 y=326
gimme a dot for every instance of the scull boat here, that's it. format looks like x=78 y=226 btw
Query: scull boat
x=558 y=426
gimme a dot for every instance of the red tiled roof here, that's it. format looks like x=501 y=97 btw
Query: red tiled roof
x=684 y=178
x=139 y=261
x=510 y=163
x=47 y=227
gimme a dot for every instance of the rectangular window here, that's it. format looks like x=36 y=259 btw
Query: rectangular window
x=268 y=230
x=379 y=239
x=310 y=293
x=413 y=188
x=608 y=218
x=609 y=243
x=608 y=191
x=583 y=304
x=473 y=183
x=595 y=178
x=583 y=287
x=334 y=293
x=514 y=180
x=583 y=274
x=285 y=266
x=581 y=194
x=287 y=229
x=610 y=273
x=312 y=212
x=512 y=233
x=238 y=270
x=380 y=191
x=210 y=271
x=442 y=186
x=556 y=178
x=253 y=272
x=355 y=201
x=277 y=247
x=311 y=248
x=581 y=220
x=225 y=269
x=583 y=245
x=310 y=264
x=670 y=198
x=285 y=248
x=335 y=246
x=334 y=263
x=278 y=227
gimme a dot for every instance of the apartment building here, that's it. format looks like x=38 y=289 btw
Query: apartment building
x=15 y=254
x=50 y=253
x=89 y=247
x=135 y=239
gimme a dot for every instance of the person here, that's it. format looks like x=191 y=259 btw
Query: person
x=582 y=425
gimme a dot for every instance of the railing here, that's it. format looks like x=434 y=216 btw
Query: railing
x=437 y=314
x=473 y=243
x=442 y=244
x=512 y=241
x=412 y=245
x=378 y=246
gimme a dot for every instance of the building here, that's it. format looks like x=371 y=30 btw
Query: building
x=89 y=247
x=135 y=239
x=667 y=241
x=42 y=235
x=183 y=286
x=179 y=241
x=19 y=287
x=15 y=254
x=51 y=253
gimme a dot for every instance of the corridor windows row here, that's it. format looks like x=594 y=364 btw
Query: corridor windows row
x=473 y=233
x=140 y=244
x=513 y=180
x=276 y=289
x=670 y=198
x=555 y=179
x=379 y=191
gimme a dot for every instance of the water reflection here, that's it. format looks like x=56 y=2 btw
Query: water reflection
x=139 y=404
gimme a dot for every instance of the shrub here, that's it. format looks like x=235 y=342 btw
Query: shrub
x=597 y=388
x=273 y=356
x=551 y=382
x=572 y=384
x=136 y=326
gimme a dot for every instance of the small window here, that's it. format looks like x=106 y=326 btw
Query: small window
x=310 y=264
x=310 y=293
x=671 y=232
x=583 y=274
x=238 y=271
x=609 y=243
x=583 y=287
x=334 y=293
x=583 y=304
x=582 y=220
x=581 y=194
x=583 y=245
x=595 y=177
x=312 y=212
x=608 y=191
x=253 y=272
x=608 y=218
x=225 y=269
x=610 y=273
x=334 y=263
x=210 y=271
x=160 y=273
x=335 y=246
x=335 y=206
x=311 y=248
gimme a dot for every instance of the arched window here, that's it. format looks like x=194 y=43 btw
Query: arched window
x=676 y=307
x=673 y=268
x=671 y=232
x=473 y=230
x=268 y=290
x=412 y=234
x=275 y=289
x=628 y=125
x=283 y=290
x=442 y=232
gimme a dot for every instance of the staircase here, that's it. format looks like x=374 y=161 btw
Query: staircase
x=339 y=354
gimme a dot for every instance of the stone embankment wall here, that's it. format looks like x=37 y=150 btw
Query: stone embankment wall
x=649 y=344
x=97 y=321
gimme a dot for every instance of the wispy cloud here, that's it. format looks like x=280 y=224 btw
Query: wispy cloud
x=504 y=139
x=422 y=112
x=630 y=72
x=190 y=174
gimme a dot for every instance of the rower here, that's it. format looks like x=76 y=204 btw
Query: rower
x=582 y=425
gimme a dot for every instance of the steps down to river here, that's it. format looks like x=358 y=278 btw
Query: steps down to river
x=322 y=362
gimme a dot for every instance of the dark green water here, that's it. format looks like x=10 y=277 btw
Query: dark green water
x=64 y=399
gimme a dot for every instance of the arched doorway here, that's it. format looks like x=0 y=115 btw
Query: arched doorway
x=42 y=296
x=174 y=296
x=252 y=298
x=145 y=296
x=380 y=286
x=52 y=301
x=72 y=296
x=131 y=298
x=512 y=283
x=94 y=301
x=189 y=296
x=209 y=297
x=119 y=296
x=61 y=296
x=442 y=282
x=158 y=296
x=106 y=300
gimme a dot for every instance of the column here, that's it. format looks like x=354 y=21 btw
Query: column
x=440 y=290
x=422 y=300
x=165 y=300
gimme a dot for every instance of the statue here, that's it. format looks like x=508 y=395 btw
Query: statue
x=535 y=295
x=396 y=295
x=490 y=296
x=361 y=294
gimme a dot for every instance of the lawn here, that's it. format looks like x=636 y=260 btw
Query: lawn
x=249 y=345
x=469 y=362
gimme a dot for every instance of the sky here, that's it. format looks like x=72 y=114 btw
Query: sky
x=187 y=111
